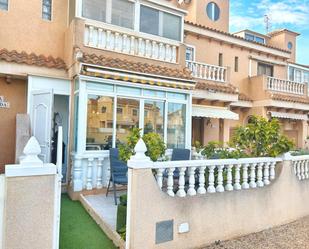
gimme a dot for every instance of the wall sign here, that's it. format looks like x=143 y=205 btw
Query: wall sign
x=4 y=104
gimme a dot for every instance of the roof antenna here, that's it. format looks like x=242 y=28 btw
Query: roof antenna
x=267 y=21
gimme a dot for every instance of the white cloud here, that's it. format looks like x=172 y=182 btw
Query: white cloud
x=281 y=13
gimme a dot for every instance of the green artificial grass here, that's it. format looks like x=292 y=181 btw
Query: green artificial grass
x=78 y=230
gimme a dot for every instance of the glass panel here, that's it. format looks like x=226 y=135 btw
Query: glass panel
x=306 y=77
x=176 y=125
x=172 y=26
x=94 y=9
x=4 y=4
x=129 y=90
x=149 y=20
x=76 y=102
x=264 y=69
x=291 y=73
x=153 y=93
x=154 y=117
x=123 y=13
x=46 y=9
x=127 y=118
x=259 y=39
x=99 y=122
x=100 y=87
x=180 y=96
x=213 y=11
x=189 y=53
x=297 y=75
x=249 y=37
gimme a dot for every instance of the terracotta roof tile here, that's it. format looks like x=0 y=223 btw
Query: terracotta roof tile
x=31 y=59
x=138 y=67
x=289 y=98
x=235 y=36
x=244 y=97
x=220 y=87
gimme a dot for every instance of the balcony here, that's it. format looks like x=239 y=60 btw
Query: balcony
x=286 y=86
x=207 y=72
x=116 y=39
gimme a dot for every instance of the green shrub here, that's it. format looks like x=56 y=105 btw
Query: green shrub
x=216 y=150
x=300 y=152
x=154 y=143
x=261 y=138
x=122 y=216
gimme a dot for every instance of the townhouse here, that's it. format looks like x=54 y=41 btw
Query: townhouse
x=101 y=67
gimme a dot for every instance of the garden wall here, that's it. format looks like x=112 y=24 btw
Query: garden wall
x=202 y=219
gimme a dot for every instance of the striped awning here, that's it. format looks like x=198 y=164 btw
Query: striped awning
x=213 y=112
x=94 y=72
x=286 y=115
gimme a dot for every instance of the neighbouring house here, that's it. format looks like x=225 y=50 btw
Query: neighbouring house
x=101 y=67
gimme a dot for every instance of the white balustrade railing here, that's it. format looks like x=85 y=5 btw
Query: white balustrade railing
x=301 y=166
x=280 y=85
x=132 y=43
x=192 y=177
x=207 y=72
x=90 y=171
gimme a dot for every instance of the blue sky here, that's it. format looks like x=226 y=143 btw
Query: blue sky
x=290 y=14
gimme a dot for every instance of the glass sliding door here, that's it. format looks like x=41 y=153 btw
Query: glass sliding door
x=99 y=122
x=154 y=117
x=127 y=118
x=176 y=125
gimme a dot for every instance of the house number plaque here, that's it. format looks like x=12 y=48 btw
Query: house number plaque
x=3 y=103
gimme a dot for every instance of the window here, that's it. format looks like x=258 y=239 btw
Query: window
x=265 y=69
x=290 y=45
x=176 y=125
x=103 y=109
x=251 y=37
x=297 y=75
x=126 y=121
x=220 y=61
x=134 y=112
x=213 y=11
x=119 y=110
x=154 y=117
x=236 y=64
x=190 y=53
x=123 y=13
x=291 y=73
x=117 y=12
x=306 y=77
x=159 y=23
x=4 y=5
x=98 y=136
x=47 y=9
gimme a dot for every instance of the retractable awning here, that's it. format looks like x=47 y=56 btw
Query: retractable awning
x=286 y=115
x=213 y=112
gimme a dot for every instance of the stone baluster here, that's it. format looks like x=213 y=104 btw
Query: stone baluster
x=201 y=189
x=141 y=48
x=211 y=180
x=117 y=42
x=266 y=173
x=302 y=165
x=220 y=187
x=174 y=54
x=181 y=183
x=237 y=185
x=154 y=53
x=191 y=190
x=108 y=39
x=90 y=40
x=260 y=182
x=168 y=53
x=161 y=51
x=252 y=175
x=100 y=38
x=298 y=170
x=272 y=173
x=148 y=48
x=306 y=169
x=77 y=174
x=125 y=44
x=132 y=45
x=170 y=182
x=89 y=173
x=160 y=177
x=245 y=184
x=229 y=186
x=222 y=74
x=209 y=73
x=100 y=173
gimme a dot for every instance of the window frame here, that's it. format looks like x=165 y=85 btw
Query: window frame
x=193 y=49
x=255 y=38
x=51 y=11
x=266 y=65
x=236 y=64
x=136 y=23
x=85 y=90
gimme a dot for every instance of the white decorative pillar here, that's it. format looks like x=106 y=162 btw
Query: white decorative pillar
x=245 y=184
x=191 y=190
x=272 y=173
x=89 y=173
x=237 y=185
x=201 y=189
x=100 y=172
x=77 y=173
x=229 y=186
x=159 y=177
x=266 y=173
x=170 y=182
x=260 y=182
x=220 y=187
x=211 y=179
x=252 y=175
x=181 y=183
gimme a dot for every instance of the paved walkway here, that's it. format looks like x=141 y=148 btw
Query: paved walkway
x=291 y=236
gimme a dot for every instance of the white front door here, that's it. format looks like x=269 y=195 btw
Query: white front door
x=41 y=118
